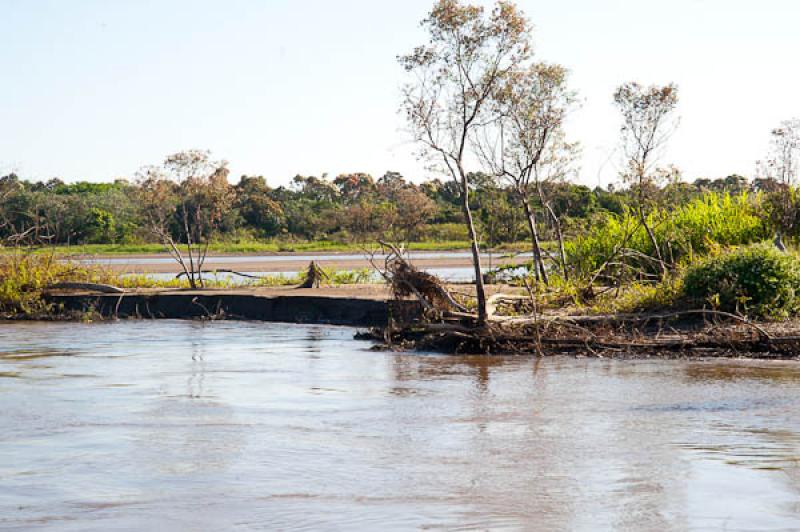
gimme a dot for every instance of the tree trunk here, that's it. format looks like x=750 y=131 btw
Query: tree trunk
x=192 y=280
x=648 y=230
x=557 y=224
x=538 y=262
x=653 y=241
x=480 y=290
x=561 y=252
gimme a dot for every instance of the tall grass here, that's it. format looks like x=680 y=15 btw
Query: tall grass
x=695 y=229
x=24 y=276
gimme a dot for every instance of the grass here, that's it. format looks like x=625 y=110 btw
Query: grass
x=641 y=297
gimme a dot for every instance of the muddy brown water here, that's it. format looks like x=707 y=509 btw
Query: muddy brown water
x=248 y=426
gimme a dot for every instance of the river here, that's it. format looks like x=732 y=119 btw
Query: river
x=449 y=265
x=169 y=425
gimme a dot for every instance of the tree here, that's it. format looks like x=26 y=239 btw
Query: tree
x=256 y=207
x=781 y=168
x=783 y=161
x=366 y=221
x=184 y=200
x=390 y=184
x=647 y=124
x=500 y=217
x=354 y=187
x=527 y=145
x=457 y=73
x=412 y=210
x=315 y=188
x=101 y=226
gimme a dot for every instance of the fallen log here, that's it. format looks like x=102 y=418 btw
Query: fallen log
x=232 y=272
x=92 y=287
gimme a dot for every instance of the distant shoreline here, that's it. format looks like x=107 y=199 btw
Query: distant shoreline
x=156 y=263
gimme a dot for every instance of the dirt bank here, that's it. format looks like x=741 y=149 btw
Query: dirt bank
x=361 y=306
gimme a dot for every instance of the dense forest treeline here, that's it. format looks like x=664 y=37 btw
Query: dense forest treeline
x=349 y=208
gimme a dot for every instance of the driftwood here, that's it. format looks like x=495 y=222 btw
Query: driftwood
x=232 y=272
x=612 y=334
x=93 y=287
x=449 y=326
x=551 y=337
x=407 y=280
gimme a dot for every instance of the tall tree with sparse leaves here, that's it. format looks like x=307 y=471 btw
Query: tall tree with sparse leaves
x=455 y=76
x=648 y=121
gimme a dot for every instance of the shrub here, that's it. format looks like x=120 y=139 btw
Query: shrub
x=757 y=281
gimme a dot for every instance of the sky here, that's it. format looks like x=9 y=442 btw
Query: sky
x=95 y=89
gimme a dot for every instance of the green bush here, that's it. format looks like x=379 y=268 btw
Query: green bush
x=758 y=281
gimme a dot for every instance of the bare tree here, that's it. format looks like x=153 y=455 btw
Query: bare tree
x=647 y=123
x=457 y=73
x=781 y=167
x=527 y=146
x=783 y=162
x=411 y=211
x=184 y=201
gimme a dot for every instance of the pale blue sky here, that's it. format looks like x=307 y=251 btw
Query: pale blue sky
x=93 y=89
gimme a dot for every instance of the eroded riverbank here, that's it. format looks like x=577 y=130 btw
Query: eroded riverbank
x=404 y=323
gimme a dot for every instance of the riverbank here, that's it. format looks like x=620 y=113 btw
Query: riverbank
x=352 y=305
x=403 y=324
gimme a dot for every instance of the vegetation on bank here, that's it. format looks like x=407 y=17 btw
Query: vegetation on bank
x=757 y=281
x=682 y=233
x=26 y=277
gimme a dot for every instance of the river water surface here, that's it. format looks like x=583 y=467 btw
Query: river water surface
x=250 y=426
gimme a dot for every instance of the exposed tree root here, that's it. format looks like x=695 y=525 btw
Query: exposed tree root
x=314 y=276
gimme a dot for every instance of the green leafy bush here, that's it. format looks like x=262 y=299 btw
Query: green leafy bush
x=758 y=281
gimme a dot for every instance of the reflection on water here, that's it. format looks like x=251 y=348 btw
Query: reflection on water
x=191 y=426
